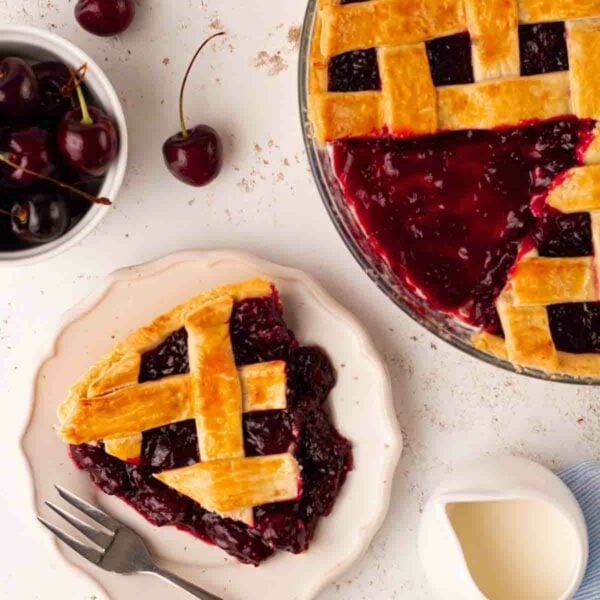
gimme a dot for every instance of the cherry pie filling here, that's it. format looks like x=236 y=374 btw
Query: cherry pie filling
x=259 y=334
x=450 y=213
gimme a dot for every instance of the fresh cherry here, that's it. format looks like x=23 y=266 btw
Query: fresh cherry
x=54 y=80
x=19 y=96
x=39 y=218
x=87 y=139
x=194 y=156
x=30 y=150
x=105 y=17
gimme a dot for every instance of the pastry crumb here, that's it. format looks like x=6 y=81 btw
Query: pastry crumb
x=293 y=36
x=273 y=62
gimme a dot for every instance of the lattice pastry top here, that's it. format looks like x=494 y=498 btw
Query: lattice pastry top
x=397 y=40
x=375 y=71
x=108 y=403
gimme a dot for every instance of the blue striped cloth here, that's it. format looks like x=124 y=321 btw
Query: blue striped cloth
x=584 y=481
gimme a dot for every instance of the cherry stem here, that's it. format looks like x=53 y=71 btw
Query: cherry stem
x=184 y=130
x=70 y=188
x=77 y=79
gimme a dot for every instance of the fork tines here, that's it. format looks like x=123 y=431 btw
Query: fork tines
x=99 y=538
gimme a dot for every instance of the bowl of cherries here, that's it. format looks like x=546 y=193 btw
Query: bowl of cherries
x=63 y=145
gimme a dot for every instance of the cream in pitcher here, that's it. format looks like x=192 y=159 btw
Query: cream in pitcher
x=503 y=528
x=516 y=548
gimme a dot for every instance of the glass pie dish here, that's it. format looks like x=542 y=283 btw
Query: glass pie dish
x=445 y=326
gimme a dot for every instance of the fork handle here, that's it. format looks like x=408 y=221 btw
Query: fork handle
x=177 y=581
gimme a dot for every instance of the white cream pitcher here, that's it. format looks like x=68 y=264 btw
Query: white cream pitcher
x=503 y=528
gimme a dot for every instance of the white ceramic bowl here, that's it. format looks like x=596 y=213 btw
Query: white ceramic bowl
x=37 y=44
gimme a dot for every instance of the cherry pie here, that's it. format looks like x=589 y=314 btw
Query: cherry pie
x=464 y=136
x=212 y=419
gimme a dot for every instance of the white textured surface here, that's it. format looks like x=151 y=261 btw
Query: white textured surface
x=451 y=407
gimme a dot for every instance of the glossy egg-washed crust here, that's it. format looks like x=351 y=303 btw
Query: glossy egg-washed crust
x=109 y=404
x=408 y=105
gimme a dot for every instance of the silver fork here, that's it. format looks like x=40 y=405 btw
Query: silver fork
x=119 y=549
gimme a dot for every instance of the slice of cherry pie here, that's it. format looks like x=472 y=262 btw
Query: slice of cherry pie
x=212 y=419
x=464 y=136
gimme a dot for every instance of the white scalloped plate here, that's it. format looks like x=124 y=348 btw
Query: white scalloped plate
x=361 y=405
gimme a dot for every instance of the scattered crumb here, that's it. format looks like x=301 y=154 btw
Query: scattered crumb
x=246 y=185
x=166 y=61
x=258 y=147
x=580 y=420
x=216 y=24
x=274 y=62
x=294 y=36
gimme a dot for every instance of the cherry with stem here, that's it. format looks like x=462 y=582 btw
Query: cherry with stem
x=194 y=156
x=86 y=137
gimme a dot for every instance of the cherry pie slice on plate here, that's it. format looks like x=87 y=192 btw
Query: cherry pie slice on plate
x=464 y=137
x=254 y=415
x=211 y=418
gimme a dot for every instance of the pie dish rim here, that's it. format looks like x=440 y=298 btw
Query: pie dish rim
x=270 y=270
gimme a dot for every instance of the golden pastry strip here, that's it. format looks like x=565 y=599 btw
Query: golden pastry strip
x=120 y=375
x=387 y=23
x=216 y=388
x=494 y=29
x=127 y=448
x=129 y=411
x=544 y=281
x=482 y=105
x=578 y=190
x=492 y=103
x=343 y=115
x=405 y=75
x=581 y=365
x=583 y=43
x=232 y=484
x=264 y=388
x=540 y=11
x=527 y=334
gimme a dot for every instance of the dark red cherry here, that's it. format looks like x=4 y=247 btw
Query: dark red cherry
x=39 y=218
x=105 y=17
x=53 y=80
x=30 y=150
x=87 y=140
x=19 y=97
x=194 y=156
x=195 y=159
